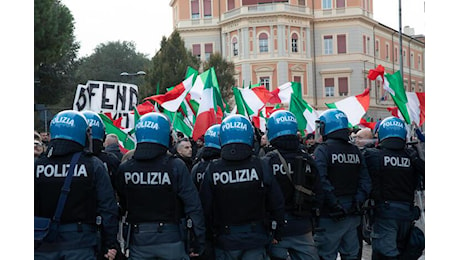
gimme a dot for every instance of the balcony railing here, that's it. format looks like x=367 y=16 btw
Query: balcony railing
x=266 y=8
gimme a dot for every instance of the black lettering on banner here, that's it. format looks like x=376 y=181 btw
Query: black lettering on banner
x=132 y=101
x=104 y=104
x=82 y=98
x=90 y=91
x=121 y=96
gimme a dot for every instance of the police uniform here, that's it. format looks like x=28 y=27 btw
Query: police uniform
x=156 y=191
x=90 y=193
x=238 y=193
x=346 y=185
x=297 y=169
x=395 y=172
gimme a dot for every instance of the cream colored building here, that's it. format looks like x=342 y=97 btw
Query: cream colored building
x=327 y=45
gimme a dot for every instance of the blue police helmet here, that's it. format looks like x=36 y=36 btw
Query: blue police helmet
x=96 y=124
x=69 y=125
x=332 y=120
x=236 y=129
x=281 y=122
x=153 y=127
x=212 y=137
x=392 y=127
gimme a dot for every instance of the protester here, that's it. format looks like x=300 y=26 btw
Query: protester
x=184 y=152
x=111 y=145
x=90 y=194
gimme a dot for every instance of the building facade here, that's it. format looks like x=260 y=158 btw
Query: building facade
x=327 y=45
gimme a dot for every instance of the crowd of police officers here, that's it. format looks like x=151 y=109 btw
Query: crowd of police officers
x=233 y=204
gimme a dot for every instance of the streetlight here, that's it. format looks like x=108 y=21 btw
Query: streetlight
x=139 y=73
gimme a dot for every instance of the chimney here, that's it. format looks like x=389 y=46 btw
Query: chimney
x=408 y=30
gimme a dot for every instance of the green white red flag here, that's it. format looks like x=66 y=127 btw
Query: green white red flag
x=282 y=94
x=416 y=108
x=172 y=99
x=207 y=111
x=304 y=113
x=354 y=107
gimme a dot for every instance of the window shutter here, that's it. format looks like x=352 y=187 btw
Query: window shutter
x=343 y=85
x=329 y=82
x=340 y=3
x=341 y=43
x=207 y=7
x=195 y=7
x=208 y=48
x=196 y=49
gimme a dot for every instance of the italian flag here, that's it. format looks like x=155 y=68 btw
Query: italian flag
x=283 y=93
x=354 y=107
x=206 y=115
x=126 y=141
x=179 y=123
x=172 y=99
x=415 y=106
x=304 y=113
x=411 y=107
x=251 y=100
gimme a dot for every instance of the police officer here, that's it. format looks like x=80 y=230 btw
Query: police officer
x=90 y=193
x=158 y=194
x=346 y=184
x=299 y=180
x=210 y=151
x=110 y=160
x=238 y=192
x=395 y=171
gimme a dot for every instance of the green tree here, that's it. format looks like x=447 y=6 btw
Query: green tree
x=109 y=60
x=54 y=50
x=169 y=65
x=225 y=71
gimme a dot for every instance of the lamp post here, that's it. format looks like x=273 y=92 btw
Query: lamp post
x=139 y=73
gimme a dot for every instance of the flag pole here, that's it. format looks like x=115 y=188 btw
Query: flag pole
x=401 y=62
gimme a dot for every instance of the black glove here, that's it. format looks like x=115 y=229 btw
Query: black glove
x=337 y=212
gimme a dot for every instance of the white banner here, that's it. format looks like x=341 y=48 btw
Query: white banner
x=102 y=97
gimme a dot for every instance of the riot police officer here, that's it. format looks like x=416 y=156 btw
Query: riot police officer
x=157 y=192
x=238 y=192
x=299 y=180
x=395 y=171
x=209 y=152
x=90 y=193
x=346 y=184
x=110 y=160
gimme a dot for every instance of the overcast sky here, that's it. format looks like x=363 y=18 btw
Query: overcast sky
x=145 y=22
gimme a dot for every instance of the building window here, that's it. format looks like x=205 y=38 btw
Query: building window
x=328 y=44
x=298 y=79
x=340 y=3
x=364 y=44
x=404 y=58
x=207 y=8
x=195 y=9
x=396 y=55
x=412 y=60
x=294 y=42
x=207 y=50
x=327 y=4
x=196 y=50
x=377 y=49
x=302 y=2
x=342 y=43
x=235 y=46
x=343 y=86
x=419 y=62
x=265 y=81
x=329 y=87
x=387 y=54
x=263 y=42
x=231 y=5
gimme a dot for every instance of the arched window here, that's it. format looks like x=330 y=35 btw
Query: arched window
x=294 y=42
x=263 y=42
x=235 y=46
